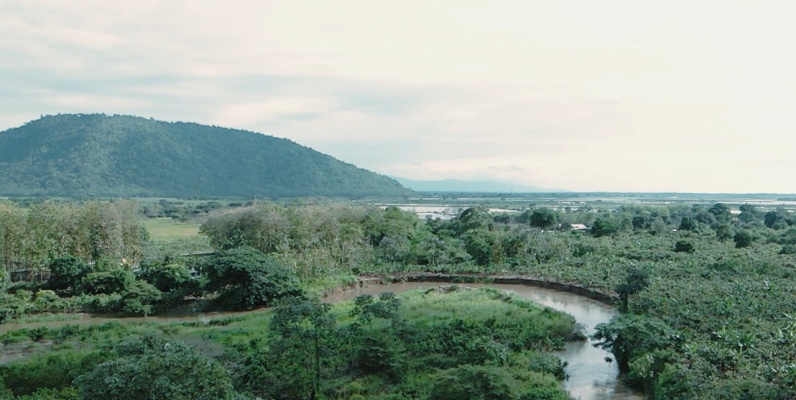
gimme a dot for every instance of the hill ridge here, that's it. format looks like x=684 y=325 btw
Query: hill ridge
x=94 y=155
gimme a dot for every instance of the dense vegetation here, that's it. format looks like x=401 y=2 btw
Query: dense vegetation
x=109 y=156
x=708 y=294
x=706 y=290
x=438 y=345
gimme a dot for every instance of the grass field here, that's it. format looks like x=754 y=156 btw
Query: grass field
x=166 y=229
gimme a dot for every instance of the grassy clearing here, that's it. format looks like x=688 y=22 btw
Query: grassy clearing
x=166 y=229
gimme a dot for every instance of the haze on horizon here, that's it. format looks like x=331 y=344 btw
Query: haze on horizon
x=676 y=96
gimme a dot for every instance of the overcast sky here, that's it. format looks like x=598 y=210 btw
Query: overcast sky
x=691 y=96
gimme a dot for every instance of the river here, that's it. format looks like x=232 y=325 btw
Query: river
x=591 y=377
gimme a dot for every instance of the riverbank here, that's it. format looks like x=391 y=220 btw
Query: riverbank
x=570 y=287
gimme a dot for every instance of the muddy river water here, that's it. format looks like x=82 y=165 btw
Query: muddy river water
x=591 y=377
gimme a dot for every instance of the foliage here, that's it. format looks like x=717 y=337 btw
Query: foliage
x=636 y=281
x=629 y=336
x=140 y=298
x=474 y=382
x=170 y=277
x=66 y=272
x=603 y=227
x=245 y=278
x=49 y=371
x=393 y=345
x=155 y=368
x=116 y=280
x=543 y=218
x=716 y=320
x=743 y=239
x=684 y=246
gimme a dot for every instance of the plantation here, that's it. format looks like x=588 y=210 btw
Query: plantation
x=706 y=292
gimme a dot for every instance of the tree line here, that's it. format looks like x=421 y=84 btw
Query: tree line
x=706 y=290
x=30 y=238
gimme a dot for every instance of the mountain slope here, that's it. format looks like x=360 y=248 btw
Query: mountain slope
x=98 y=155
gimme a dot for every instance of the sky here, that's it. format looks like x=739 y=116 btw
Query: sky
x=641 y=96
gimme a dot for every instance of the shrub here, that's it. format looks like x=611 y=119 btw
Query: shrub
x=52 y=372
x=140 y=299
x=154 y=368
x=474 y=382
x=684 y=246
x=743 y=239
x=66 y=272
x=107 y=282
x=245 y=278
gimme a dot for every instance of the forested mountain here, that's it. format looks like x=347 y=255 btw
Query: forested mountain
x=87 y=155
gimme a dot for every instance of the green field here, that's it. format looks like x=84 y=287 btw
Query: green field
x=166 y=229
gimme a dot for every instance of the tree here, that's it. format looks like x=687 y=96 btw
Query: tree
x=743 y=239
x=379 y=350
x=684 y=246
x=263 y=227
x=66 y=272
x=603 y=227
x=775 y=219
x=544 y=218
x=720 y=211
x=628 y=336
x=155 y=368
x=473 y=218
x=748 y=213
x=475 y=382
x=688 y=224
x=173 y=279
x=478 y=243
x=140 y=298
x=636 y=281
x=245 y=278
x=724 y=231
x=116 y=280
x=641 y=222
x=300 y=348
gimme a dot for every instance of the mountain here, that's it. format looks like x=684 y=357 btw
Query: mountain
x=452 y=185
x=95 y=155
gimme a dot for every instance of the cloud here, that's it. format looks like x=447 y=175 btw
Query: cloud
x=612 y=95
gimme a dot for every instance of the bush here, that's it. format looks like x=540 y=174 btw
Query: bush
x=140 y=299
x=547 y=363
x=245 y=278
x=684 y=246
x=474 y=382
x=169 y=277
x=49 y=372
x=154 y=368
x=11 y=307
x=103 y=303
x=603 y=227
x=743 y=239
x=66 y=273
x=108 y=282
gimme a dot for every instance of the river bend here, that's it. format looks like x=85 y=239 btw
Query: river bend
x=591 y=377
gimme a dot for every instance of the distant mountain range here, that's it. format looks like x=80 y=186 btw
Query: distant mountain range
x=452 y=185
x=95 y=155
